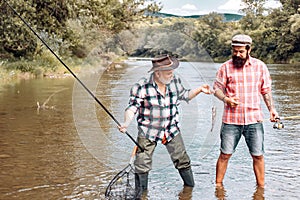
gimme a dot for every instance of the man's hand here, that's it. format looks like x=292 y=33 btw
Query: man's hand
x=122 y=128
x=273 y=115
x=232 y=101
x=128 y=117
x=206 y=89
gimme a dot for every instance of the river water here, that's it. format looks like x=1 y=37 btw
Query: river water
x=68 y=147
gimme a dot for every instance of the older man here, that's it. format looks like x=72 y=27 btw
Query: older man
x=155 y=100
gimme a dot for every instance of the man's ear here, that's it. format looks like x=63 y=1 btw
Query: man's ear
x=248 y=48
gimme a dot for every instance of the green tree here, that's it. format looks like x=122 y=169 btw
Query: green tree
x=291 y=6
x=48 y=18
x=51 y=18
x=256 y=7
x=113 y=15
x=284 y=23
x=207 y=34
x=276 y=35
x=254 y=10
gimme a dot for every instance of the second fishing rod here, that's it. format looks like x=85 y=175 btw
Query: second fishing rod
x=72 y=73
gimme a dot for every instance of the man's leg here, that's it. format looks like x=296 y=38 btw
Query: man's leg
x=187 y=177
x=230 y=137
x=221 y=168
x=259 y=170
x=181 y=159
x=254 y=135
x=143 y=163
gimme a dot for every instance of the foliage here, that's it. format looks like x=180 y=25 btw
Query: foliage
x=48 y=18
x=275 y=35
x=256 y=7
x=51 y=18
x=112 y=15
x=102 y=28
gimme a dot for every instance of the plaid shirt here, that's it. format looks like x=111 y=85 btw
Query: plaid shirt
x=157 y=114
x=248 y=84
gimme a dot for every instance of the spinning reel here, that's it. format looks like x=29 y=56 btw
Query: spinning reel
x=278 y=124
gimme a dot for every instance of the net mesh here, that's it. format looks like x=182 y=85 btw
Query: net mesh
x=122 y=186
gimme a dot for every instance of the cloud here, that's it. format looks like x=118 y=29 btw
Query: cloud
x=232 y=5
x=185 y=10
x=189 y=7
x=236 y=5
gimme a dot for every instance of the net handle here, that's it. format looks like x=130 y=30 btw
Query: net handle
x=133 y=154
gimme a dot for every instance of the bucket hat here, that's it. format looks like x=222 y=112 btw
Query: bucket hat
x=164 y=63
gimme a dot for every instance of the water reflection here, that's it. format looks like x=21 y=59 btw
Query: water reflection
x=259 y=193
x=220 y=193
x=186 y=193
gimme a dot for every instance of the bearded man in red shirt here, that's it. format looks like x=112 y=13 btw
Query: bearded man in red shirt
x=240 y=83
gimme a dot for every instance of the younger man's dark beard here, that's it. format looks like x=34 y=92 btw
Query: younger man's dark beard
x=238 y=61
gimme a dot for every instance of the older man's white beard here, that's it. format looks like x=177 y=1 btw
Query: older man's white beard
x=165 y=81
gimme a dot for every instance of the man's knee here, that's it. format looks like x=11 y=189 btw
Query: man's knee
x=224 y=157
x=258 y=158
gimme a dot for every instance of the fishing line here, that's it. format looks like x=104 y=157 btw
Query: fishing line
x=81 y=83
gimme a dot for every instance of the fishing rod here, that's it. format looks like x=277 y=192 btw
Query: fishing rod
x=290 y=117
x=81 y=83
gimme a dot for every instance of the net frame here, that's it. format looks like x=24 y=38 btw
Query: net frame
x=122 y=186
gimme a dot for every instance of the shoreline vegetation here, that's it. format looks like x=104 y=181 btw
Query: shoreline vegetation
x=11 y=73
x=11 y=77
x=91 y=36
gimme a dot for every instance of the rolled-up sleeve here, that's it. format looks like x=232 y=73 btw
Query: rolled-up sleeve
x=221 y=79
x=266 y=81
x=183 y=93
x=135 y=98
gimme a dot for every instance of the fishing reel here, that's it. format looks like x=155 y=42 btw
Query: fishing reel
x=278 y=124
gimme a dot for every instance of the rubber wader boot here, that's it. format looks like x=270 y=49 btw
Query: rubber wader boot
x=141 y=184
x=187 y=177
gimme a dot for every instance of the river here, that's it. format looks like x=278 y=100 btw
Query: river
x=56 y=142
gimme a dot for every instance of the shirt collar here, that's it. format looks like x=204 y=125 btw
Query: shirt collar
x=151 y=80
x=249 y=61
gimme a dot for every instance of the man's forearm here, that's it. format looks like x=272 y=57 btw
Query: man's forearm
x=193 y=93
x=204 y=88
x=268 y=100
x=220 y=94
x=128 y=117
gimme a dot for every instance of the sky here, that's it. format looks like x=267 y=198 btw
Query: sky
x=199 y=7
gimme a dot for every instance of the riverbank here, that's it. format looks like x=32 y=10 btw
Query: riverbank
x=12 y=76
x=11 y=72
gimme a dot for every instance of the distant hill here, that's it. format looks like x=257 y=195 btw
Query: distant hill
x=227 y=16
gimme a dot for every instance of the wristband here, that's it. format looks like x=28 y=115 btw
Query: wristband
x=224 y=99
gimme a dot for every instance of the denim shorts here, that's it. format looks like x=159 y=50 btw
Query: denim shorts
x=253 y=133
